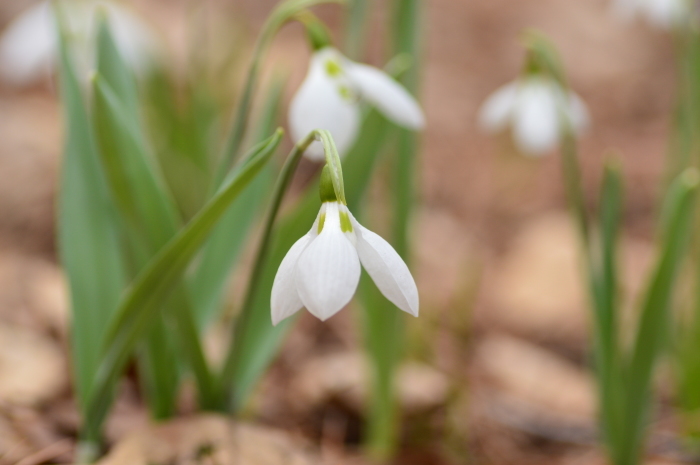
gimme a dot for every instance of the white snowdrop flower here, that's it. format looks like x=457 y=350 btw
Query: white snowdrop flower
x=29 y=45
x=533 y=106
x=664 y=14
x=322 y=269
x=330 y=95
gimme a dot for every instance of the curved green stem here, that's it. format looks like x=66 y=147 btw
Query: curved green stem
x=283 y=181
x=285 y=11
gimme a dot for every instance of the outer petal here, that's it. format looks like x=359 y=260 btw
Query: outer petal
x=284 y=299
x=535 y=117
x=28 y=46
x=328 y=271
x=390 y=97
x=497 y=109
x=388 y=271
x=318 y=104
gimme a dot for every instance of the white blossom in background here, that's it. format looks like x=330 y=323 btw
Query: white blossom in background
x=531 y=107
x=329 y=98
x=321 y=271
x=664 y=14
x=29 y=45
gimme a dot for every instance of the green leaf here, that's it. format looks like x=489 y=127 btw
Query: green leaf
x=87 y=239
x=149 y=214
x=604 y=290
x=654 y=320
x=224 y=247
x=140 y=305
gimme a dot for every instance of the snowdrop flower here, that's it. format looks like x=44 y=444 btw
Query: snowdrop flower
x=322 y=269
x=533 y=105
x=330 y=95
x=664 y=14
x=29 y=45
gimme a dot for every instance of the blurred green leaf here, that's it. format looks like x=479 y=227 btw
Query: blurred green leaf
x=141 y=303
x=654 y=319
x=223 y=248
x=604 y=290
x=87 y=231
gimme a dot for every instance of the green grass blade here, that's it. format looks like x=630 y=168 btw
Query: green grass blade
x=605 y=306
x=259 y=340
x=223 y=248
x=654 y=320
x=141 y=303
x=384 y=328
x=356 y=27
x=87 y=240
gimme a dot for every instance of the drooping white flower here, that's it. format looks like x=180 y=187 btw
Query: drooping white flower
x=664 y=14
x=330 y=95
x=29 y=45
x=533 y=106
x=322 y=269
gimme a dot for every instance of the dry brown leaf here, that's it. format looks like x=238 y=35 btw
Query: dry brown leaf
x=548 y=383
x=345 y=376
x=32 y=367
x=209 y=439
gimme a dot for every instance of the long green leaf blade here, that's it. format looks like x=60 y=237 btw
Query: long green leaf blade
x=676 y=228
x=140 y=305
x=87 y=238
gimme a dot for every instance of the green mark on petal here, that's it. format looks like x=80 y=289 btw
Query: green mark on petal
x=333 y=68
x=321 y=222
x=345 y=224
x=345 y=92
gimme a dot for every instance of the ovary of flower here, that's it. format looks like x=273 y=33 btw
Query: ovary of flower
x=664 y=14
x=322 y=269
x=533 y=106
x=29 y=45
x=330 y=95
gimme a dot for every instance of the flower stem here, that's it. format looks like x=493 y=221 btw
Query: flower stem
x=283 y=181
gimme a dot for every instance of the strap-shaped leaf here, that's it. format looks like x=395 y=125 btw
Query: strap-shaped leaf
x=87 y=225
x=226 y=242
x=141 y=302
x=150 y=220
x=676 y=227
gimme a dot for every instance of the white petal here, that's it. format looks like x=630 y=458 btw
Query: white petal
x=535 y=118
x=318 y=104
x=390 y=97
x=328 y=271
x=284 y=299
x=28 y=46
x=497 y=109
x=388 y=271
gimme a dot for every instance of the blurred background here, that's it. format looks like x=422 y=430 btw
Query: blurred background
x=498 y=365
